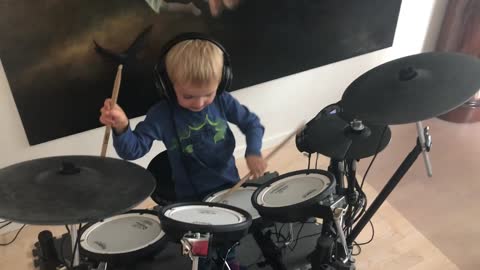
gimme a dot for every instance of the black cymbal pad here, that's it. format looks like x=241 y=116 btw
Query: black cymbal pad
x=71 y=189
x=412 y=88
x=333 y=137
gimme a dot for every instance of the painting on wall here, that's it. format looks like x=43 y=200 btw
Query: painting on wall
x=60 y=57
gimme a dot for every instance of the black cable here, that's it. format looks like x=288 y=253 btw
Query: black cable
x=226 y=255
x=281 y=228
x=359 y=205
x=309 y=156
x=3 y=226
x=362 y=209
x=316 y=162
x=359 y=249
x=375 y=156
x=362 y=196
x=309 y=235
x=61 y=255
x=14 y=238
x=77 y=243
x=276 y=231
x=371 y=238
x=4 y=221
x=281 y=238
x=298 y=234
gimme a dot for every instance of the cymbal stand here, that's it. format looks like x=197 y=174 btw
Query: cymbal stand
x=102 y=266
x=75 y=249
x=426 y=158
x=324 y=245
x=391 y=184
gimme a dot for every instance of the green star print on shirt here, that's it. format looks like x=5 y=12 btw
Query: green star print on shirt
x=220 y=127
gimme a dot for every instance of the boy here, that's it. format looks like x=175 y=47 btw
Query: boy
x=192 y=73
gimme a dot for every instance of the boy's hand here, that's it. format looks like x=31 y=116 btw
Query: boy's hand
x=113 y=116
x=217 y=6
x=257 y=165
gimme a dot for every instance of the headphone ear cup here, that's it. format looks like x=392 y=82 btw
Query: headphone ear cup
x=226 y=80
x=162 y=81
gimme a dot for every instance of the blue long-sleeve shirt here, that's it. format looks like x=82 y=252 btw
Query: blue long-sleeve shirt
x=205 y=161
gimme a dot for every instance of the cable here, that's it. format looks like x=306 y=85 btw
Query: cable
x=371 y=238
x=75 y=246
x=62 y=258
x=358 y=245
x=225 y=263
x=61 y=255
x=3 y=226
x=359 y=249
x=309 y=235
x=316 y=162
x=375 y=156
x=355 y=215
x=226 y=255
x=298 y=234
x=14 y=238
x=4 y=221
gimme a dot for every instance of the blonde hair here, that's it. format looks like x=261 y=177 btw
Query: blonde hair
x=194 y=61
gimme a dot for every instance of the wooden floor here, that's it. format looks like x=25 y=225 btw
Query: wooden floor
x=397 y=243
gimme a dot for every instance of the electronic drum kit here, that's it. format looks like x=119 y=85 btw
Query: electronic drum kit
x=99 y=191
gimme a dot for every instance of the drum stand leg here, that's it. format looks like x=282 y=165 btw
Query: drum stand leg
x=75 y=249
x=391 y=184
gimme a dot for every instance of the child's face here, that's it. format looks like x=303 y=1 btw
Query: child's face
x=195 y=97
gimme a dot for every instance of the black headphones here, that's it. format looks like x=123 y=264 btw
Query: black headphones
x=163 y=82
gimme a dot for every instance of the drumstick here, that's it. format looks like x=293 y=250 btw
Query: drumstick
x=269 y=156
x=116 y=89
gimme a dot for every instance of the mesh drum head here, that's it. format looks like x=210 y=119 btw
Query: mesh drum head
x=293 y=190
x=205 y=215
x=240 y=198
x=121 y=234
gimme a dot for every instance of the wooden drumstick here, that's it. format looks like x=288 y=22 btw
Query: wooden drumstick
x=268 y=157
x=116 y=89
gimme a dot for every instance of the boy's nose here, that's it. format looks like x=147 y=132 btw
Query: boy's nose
x=199 y=103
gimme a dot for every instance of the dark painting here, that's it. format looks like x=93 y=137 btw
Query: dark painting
x=61 y=56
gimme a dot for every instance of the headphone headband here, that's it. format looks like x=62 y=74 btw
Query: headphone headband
x=163 y=82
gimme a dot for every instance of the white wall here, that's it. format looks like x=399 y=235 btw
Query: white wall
x=282 y=104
